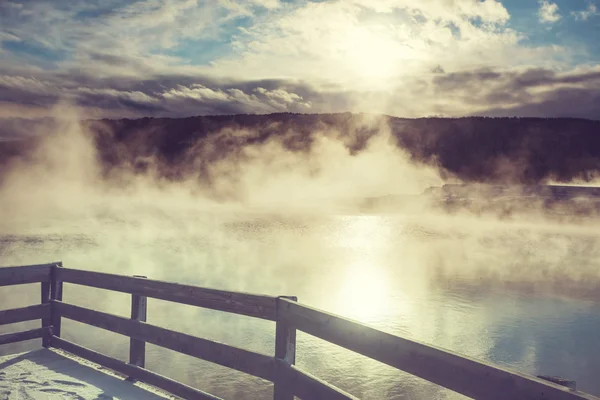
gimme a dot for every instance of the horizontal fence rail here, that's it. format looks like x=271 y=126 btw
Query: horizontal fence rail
x=240 y=303
x=459 y=373
x=470 y=377
x=25 y=335
x=26 y=274
x=242 y=360
x=23 y=314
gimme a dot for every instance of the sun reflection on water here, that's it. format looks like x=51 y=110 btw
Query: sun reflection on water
x=363 y=292
x=363 y=287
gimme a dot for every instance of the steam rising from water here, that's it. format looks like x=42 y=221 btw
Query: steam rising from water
x=283 y=223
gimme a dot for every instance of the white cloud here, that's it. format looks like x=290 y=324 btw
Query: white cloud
x=349 y=42
x=143 y=30
x=136 y=96
x=8 y=37
x=260 y=100
x=269 y=4
x=584 y=15
x=362 y=43
x=450 y=10
x=27 y=84
x=196 y=92
x=244 y=6
x=280 y=97
x=11 y=4
x=548 y=12
x=336 y=55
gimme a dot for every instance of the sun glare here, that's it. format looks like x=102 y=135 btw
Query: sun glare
x=363 y=291
x=370 y=55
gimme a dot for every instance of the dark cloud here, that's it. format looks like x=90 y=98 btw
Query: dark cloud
x=456 y=80
x=165 y=95
x=534 y=92
x=543 y=77
x=25 y=96
x=565 y=102
x=510 y=80
x=531 y=78
x=119 y=100
x=531 y=92
x=113 y=59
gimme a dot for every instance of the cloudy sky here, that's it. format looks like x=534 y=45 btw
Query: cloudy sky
x=407 y=58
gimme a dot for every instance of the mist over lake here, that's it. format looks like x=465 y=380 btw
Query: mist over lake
x=511 y=283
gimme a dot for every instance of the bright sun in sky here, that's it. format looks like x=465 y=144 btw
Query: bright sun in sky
x=370 y=55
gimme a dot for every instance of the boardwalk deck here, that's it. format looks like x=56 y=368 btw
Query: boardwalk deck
x=45 y=373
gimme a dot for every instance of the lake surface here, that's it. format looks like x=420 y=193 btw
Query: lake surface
x=522 y=295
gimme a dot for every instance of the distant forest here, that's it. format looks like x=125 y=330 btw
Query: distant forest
x=471 y=149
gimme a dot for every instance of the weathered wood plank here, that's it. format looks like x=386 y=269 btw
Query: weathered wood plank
x=56 y=293
x=560 y=381
x=240 y=303
x=476 y=379
x=24 y=335
x=285 y=350
x=137 y=348
x=46 y=321
x=143 y=375
x=242 y=360
x=25 y=274
x=29 y=313
x=306 y=386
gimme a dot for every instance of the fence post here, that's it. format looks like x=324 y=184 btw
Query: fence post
x=285 y=350
x=137 y=348
x=45 y=299
x=56 y=293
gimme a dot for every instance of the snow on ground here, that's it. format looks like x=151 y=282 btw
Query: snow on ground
x=49 y=374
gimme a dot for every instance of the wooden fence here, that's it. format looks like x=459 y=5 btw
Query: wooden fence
x=473 y=378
